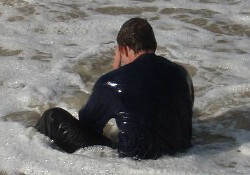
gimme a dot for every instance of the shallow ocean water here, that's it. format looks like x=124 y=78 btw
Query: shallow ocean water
x=51 y=53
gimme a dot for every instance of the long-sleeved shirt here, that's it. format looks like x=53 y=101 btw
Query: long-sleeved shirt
x=151 y=100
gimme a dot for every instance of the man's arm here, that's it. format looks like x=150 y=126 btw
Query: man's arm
x=117 y=58
x=191 y=89
x=102 y=105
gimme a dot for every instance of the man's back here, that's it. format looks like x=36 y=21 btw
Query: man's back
x=152 y=101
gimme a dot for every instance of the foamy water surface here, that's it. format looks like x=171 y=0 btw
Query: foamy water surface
x=51 y=53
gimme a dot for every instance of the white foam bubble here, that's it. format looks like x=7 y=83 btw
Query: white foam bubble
x=245 y=148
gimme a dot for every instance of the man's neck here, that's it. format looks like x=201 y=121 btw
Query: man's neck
x=136 y=55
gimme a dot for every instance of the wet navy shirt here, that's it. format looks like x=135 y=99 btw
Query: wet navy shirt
x=151 y=99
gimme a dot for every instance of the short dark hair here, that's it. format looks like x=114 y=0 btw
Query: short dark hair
x=138 y=35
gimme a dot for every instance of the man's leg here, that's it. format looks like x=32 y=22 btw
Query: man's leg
x=67 y=132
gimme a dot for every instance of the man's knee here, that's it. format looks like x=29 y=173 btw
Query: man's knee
x=55 y=113
x=50 y=119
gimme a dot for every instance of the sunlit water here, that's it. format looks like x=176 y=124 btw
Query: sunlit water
x=51 y=53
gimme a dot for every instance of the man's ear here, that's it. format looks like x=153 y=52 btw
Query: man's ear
x=124 y=50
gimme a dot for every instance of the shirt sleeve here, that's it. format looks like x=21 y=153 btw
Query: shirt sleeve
x=102 y=105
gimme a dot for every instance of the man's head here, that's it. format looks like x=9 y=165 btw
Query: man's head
x=138 y=35
x=135 y=37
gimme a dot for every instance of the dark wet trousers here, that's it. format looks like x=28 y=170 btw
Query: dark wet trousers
x=67 y=132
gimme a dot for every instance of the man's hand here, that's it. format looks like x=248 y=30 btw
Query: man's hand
x=117 y=58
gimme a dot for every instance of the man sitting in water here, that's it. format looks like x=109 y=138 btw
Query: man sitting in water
x=150 y=97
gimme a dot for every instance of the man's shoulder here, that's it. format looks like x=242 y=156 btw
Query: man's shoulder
x=145 y=63
x=170 y=66
x=108 y=78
